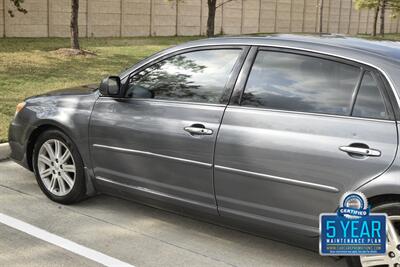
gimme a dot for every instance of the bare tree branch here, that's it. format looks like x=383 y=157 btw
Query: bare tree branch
x=223 y=3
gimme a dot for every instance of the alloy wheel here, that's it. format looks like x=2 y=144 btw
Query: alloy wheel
x=56 y=167
x=392 y=256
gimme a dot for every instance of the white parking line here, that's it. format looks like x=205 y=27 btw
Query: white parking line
x=61 y=242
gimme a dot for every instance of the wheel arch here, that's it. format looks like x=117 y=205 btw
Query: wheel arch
x=36 y=132
x=383 y=199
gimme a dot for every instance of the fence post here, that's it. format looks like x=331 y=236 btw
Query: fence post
x=241 y=17
x=4 y=18
x=340 y=15
x=328 y=26
x=259 y=17
x=291 y=16
x=321 y=15
x=316 y=15
x=87 y=18
x=359 y=21
x=276 y=14
x=176 y=16
x=304 y=15
x=151 y=19
x=48 y=18
x=120 y=17
x=201 y=17
x=222 y=19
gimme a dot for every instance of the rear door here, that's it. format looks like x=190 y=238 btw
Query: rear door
x=301 y=130
x=158 y=141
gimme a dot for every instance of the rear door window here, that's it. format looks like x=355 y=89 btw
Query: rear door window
x=294 y=82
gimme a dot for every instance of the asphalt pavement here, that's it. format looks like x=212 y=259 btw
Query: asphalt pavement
x=126 y=231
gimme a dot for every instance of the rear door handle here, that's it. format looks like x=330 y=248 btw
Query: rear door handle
x=198 y=129
x=368 y=152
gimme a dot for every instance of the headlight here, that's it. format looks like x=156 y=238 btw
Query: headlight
x=20 y=106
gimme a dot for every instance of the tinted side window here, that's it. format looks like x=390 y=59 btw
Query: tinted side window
x=198 y=76
x=370 y=102
x=300 y=83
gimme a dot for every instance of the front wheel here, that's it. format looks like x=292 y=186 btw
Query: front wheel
x=59 y=168
x=392 y=256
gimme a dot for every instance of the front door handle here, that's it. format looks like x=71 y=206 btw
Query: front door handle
x=198 y=129
x=362 y=151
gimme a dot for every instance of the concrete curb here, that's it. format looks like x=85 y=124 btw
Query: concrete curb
x=4 y=151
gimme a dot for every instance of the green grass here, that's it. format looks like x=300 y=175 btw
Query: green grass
x=29 y=67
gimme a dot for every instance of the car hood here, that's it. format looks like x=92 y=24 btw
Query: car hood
x=73 y=91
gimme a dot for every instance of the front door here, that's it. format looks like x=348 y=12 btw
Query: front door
x=159 y=139
x=307 y=129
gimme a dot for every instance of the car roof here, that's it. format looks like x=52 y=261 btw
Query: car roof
x=388 y=50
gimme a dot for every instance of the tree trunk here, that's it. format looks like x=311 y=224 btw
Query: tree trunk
x=383 y=9
x=74 y=25
x=375 y=20
x=321 y=9
x=212 y=7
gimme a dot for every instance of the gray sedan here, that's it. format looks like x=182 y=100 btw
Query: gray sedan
x=259 y=133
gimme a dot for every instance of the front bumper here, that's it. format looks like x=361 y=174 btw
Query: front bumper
x=18 y=144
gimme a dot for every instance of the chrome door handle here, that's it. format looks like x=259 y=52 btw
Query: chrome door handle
x=193 y=130
x=368 y=152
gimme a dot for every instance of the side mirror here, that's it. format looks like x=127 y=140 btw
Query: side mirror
x=110 y=86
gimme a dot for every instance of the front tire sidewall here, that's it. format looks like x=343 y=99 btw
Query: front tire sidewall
x=78 y=190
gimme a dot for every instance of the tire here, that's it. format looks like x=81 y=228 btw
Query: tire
x=391 y=209
x=62 y=179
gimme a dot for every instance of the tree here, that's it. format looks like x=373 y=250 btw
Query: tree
x=321 y=10
x=74 y=24
x=212 y=9
x=74 y=19
x=393 y=6
x=18 y=6
x=376 y=18
x=383 y=9
x=380 y=6
x=370 y=4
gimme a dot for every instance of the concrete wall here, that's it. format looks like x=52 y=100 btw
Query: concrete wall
x=99 y=18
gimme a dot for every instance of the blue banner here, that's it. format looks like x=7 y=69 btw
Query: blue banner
x=365 y=235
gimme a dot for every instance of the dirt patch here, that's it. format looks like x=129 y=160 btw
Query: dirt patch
x=69 y=52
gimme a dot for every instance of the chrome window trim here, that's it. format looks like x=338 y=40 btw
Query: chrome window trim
x=166 y=101
x=151 y=154
x=143 y=64
x=260 y=44
x=309 y=113
x=280 y=179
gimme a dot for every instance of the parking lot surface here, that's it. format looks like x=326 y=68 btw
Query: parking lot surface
x=127 y=231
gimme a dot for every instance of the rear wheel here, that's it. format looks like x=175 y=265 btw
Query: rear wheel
x=392 y=256
x=59 y=168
